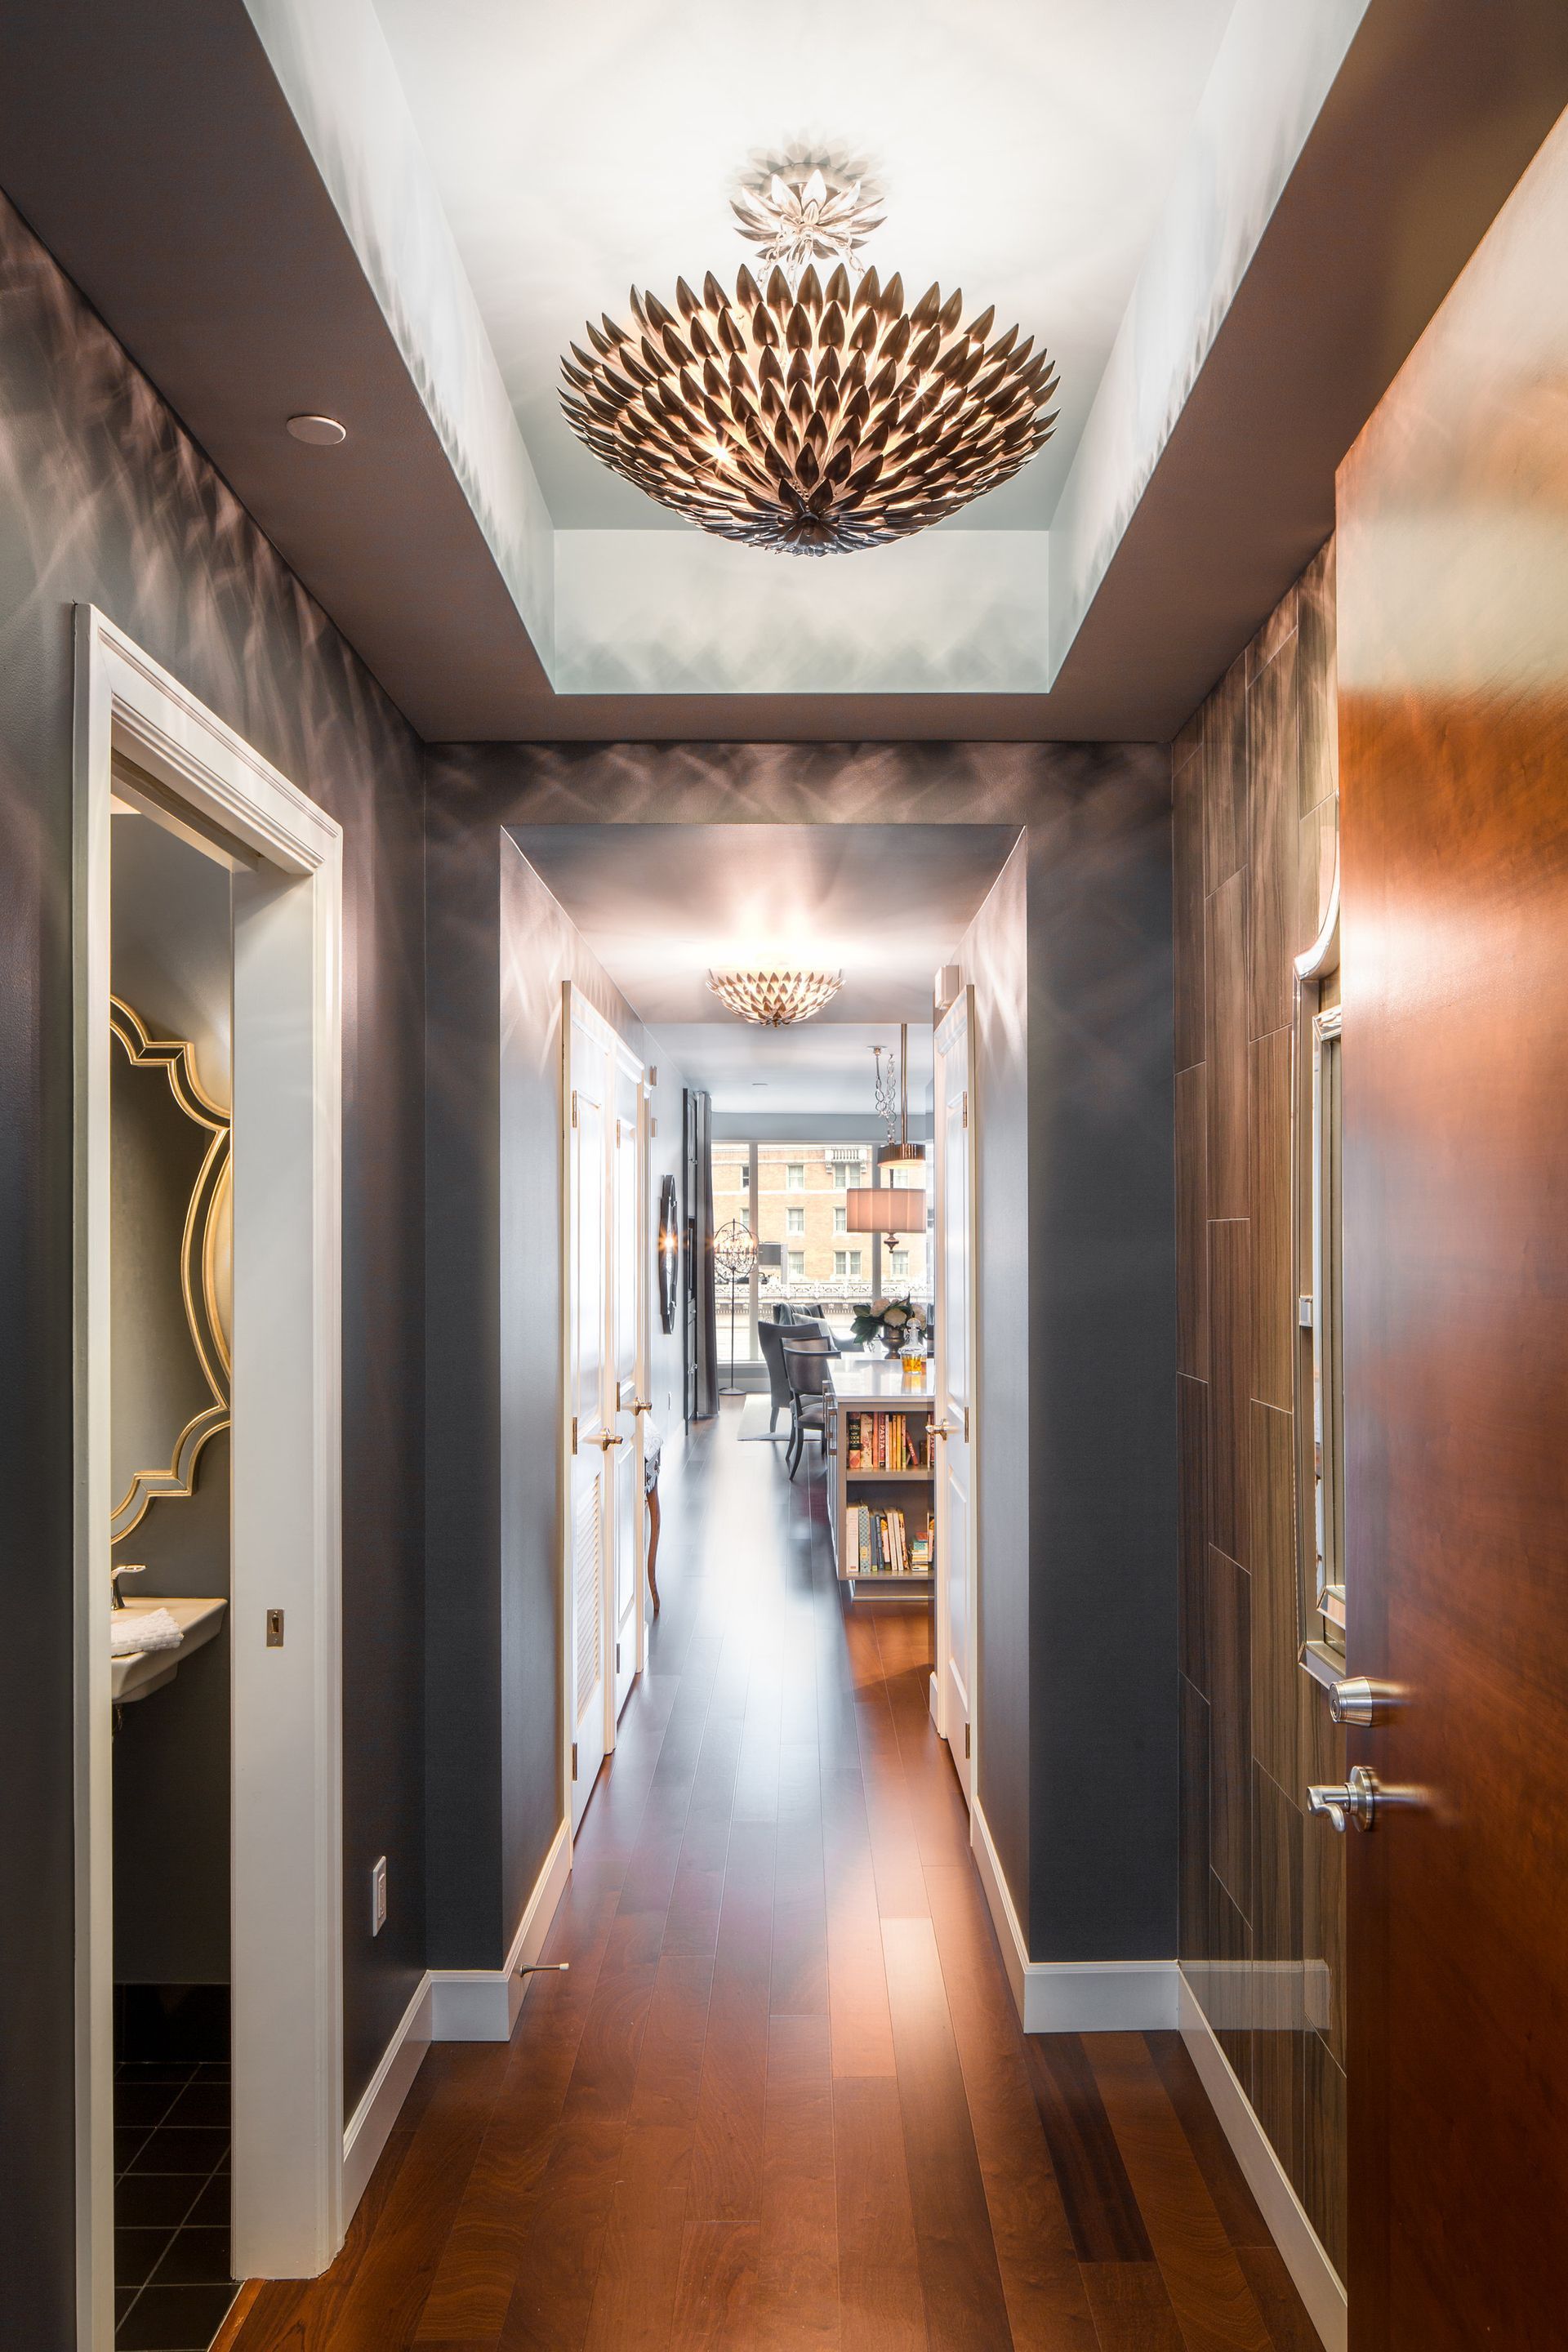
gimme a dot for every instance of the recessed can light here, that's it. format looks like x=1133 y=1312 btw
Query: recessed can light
x=320 y=432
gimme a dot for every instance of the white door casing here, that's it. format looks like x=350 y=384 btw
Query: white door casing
x=957 y=1585
x=627 y=1315
x=588 y=1050
x=286 y=1527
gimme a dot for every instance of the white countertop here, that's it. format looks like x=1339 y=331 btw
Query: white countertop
x=880 y=1380
x=141 y=1671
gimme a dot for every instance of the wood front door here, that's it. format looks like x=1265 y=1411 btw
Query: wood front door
x=1453 y=572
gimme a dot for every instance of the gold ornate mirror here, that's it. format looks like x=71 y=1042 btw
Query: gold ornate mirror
x=170 y=1267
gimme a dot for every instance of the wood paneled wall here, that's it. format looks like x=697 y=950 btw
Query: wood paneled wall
x=1254 y=790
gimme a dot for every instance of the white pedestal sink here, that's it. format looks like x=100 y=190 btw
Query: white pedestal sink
x=141 y=1671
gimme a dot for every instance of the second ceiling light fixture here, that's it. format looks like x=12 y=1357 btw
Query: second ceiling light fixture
x=810 y=419
x=772 y=998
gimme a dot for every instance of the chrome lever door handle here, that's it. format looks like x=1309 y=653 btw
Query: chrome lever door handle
x=1356 y=1801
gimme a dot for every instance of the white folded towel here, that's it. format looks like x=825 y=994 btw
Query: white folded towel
x=131 y=1630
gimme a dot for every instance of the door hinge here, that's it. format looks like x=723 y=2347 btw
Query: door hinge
x=966 y=1105
x=573 y=1759
x=574 y=1433
x=653 y=1126
x=573 y=1106
x=966 y=1743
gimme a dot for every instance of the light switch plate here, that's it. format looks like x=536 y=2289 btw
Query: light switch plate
x=378 y=1897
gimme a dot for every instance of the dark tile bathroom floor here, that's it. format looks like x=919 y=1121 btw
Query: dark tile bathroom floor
x=172 y=2285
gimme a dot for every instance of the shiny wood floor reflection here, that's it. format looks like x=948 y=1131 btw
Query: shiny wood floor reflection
x=782 y=2099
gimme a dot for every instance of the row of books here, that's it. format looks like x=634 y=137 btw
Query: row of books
x=877 y=1543
x=884 y=1441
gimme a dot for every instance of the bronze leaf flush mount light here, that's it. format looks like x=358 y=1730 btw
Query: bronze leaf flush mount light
x=771 y=997
x=814 y=418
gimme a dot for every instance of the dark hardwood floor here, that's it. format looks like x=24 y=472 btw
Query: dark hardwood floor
x=783 y=2099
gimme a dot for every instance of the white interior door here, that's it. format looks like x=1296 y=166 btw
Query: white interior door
x=626 y=1318
x=589 y=1093
x=956 y=1626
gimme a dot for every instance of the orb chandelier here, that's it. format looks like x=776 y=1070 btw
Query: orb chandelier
x=810 y=419
x=775 y=999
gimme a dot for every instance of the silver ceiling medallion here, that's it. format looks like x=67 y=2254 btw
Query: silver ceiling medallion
x=802 y=219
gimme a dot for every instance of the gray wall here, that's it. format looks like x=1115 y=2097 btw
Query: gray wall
x=501 y=949
x=104 y=499
x=994 y=958
x=1103 y=1453
x=1078 y=1753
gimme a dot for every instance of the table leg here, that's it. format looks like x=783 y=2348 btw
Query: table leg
x=653 y=1522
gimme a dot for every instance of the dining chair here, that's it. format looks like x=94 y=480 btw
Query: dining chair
x=770 y=1338
x=805 y=1362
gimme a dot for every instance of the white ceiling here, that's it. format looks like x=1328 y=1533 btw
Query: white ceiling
x=660 y=906
x=824 y=1069
x=1024 y=148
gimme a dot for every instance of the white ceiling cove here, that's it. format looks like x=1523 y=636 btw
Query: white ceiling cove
x=1023 y=149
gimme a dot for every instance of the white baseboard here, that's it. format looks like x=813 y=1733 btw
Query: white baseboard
x=1317 y=2281
x=481 y=2004
x=1148 y=1996
x=449 y=2005
x=1071 y=1996
x=370 y=2126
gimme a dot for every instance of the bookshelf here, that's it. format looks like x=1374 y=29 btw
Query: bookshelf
x=890 y=1411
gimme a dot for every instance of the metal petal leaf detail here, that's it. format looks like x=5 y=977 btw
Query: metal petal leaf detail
x=831 y=423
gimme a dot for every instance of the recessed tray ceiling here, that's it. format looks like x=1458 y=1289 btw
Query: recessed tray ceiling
x=1023 y=151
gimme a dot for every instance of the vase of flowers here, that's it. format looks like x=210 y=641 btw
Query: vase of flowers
x=896 y=1325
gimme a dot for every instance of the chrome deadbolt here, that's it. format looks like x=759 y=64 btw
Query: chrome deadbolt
x=1358 y=1700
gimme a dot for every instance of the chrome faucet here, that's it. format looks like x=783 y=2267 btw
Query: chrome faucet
x=116 y=1599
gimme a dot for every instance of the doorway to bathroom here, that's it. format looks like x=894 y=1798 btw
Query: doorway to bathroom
x=170 y=1358
x=209 y=2100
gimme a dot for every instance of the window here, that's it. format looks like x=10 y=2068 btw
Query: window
x=792 y=1174
x=731 y=1165
x=842 y=1172
x=840 y=1220
x=897 y=1261
x=847 y=1262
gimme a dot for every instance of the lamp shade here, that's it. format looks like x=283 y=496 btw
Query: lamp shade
x=884 y=1209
